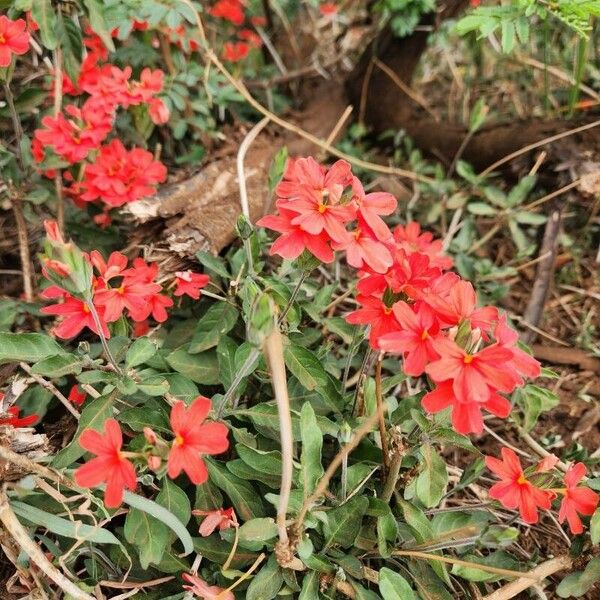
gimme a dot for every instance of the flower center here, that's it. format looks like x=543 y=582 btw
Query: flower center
x=425 y=334
x=522 y=479
x=121 y=290
x=86 y=308
x=322 y=207
x=2 y=39
x=179 y=440
x=468 y=359
x=387 y=310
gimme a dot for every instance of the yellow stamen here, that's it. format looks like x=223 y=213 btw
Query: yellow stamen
x=425 y=334
x=322 y=208
x=468 y=359
x=522 y=479
x=179 y=441
x=86 y=308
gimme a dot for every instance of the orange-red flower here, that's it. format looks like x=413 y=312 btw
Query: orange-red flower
x=13 y=420
x=109 y=466
x=14 y=39
x=222 y=518
x=194 y=439
x=577 y=499
x=514 y=490
x=189 y=283
x=76 y=396
x=202 y=590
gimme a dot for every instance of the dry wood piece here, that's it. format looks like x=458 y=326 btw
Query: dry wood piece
x=566 y=356
x=535 y=307
x=510 y=590
x=25 y=442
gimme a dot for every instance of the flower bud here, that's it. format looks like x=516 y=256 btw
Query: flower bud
x=150 y=436
x=154 y=463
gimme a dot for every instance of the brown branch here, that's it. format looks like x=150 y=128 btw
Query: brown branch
x=545 y=270
x=23 y=237
x=512 y=589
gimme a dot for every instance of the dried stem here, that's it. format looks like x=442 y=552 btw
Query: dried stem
x=273 y=349
x=381 y=418
x=48 y=385
x=510 y=590
x=292 y=298
x=23 y=237
x=323 y=484
x=97 y=322
x=16 y=123
x=27 y=545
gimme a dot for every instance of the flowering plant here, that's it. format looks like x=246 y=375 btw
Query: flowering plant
x=327 y=409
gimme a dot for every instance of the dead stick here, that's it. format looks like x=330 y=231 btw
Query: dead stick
x=535 y=307
x=23 y=237
x=22 y=539
x=510 y=590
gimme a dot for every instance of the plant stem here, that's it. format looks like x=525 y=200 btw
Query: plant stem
x=111 y=359
x=381 y=418
x=580 y=64
x=16 y=123
x=392 y=478
x=24 y=254
x=273 y=349
x=292 y=298
x=243 y=372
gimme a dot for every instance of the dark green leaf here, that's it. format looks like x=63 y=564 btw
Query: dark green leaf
x=57 y=366
x=202 y=368
x=27 y=347
x=218 y=320
x=344 y=522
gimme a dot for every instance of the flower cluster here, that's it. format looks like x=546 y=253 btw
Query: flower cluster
x=414 y=306
x=518 y=490
x=193 y=439
x=232 y=13
x=111 y=174
x=117 y=288
x=411 y=303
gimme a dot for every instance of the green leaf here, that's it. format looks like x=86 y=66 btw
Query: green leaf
x=95 y=12
x=27 y=347
x=43 y=14
x=508 y=36
x=258 y=530
x=529 y=218
x=496 y=559
x=148 y=535
x=219 y=319
x=226 y=350
x=310 y=586
x=309 y=371
x=312 y=445
x=519 y=193
x=344 y=522
x=93 y=416
x=162 y=514
x=393 y=586
x=417 y=521
x=148 y=415
x=534 y=400
x=57 y=366
x=213 y=263
x=579 y=583
x=268 y=462
x=267 y=582
x=432 y=480
x=243 y=496
x=155 y=385
x=202 y=368
x=175 y=500
x=142 y=350
x=481 y=209
x=64 y=527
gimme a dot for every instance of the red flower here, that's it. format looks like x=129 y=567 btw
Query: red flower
x=230 y=10
x=189 y=284
x=159 y=113
x=576 y=499
x=223 y=518
x=474 y=375
x=109 y=466
x=293 y=239
x=460 y=305
x=328 y=9
x=251 y=37
x=14 y=39
x=363 y=249
x=14 y=420
x=116 y=265
x=235 y=51
x=466 y=415
x=514 y=490
x=73 y=139
x=132 y=295
x=371 y=206
x=193 y=439
x=76 y=315
x=410 y=239
x=415 y=338
x=375 y=313
x=77 y=397
x=522 y=362
x=119 y=176
x=200 y=588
